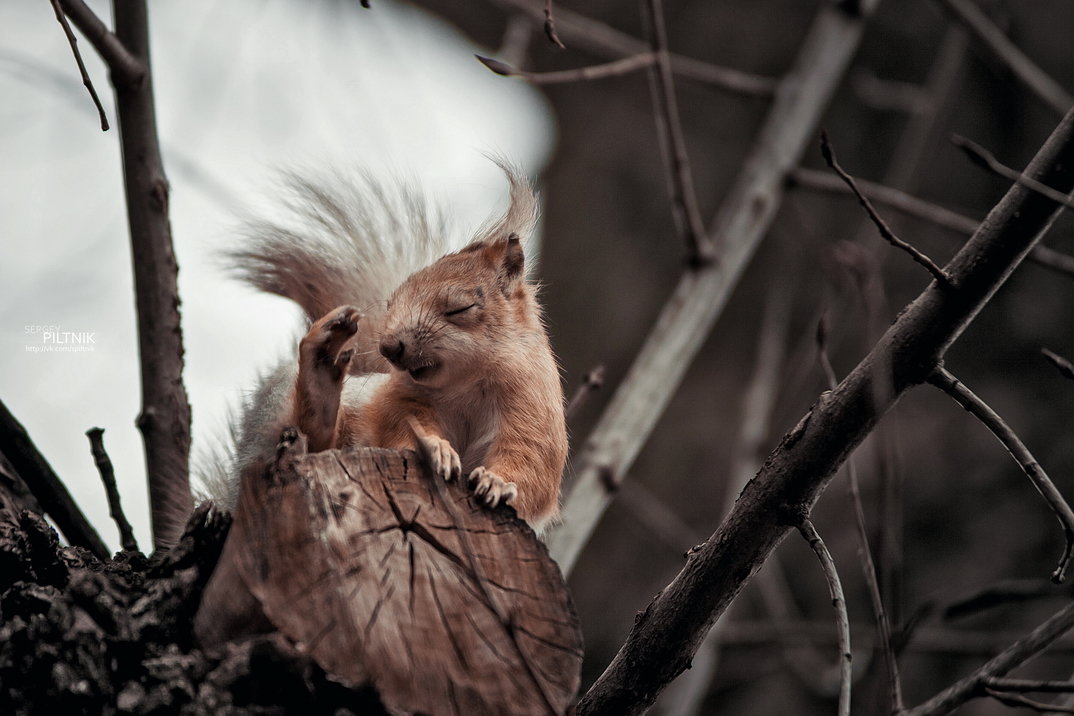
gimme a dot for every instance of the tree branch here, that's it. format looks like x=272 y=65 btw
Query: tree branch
x=615 y=68
x=673 y=143
x=165 y=416
x=126 y=68
x=668 y=632
x=550 y=26
x=108 y=477
x=588 y=34
x=46 y=486
x=62 y=19
x=701 y=294
x=965 y=397
x=1028 y=685
x=984 y=158
x=920 y=209
x=591 y=382
x=865 y=554
x=1027 y=72
x=1064 y=366
x=881 y=225
x=839 y=602
x=1013 y=656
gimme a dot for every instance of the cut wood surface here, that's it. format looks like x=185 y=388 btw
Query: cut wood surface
x=387 y=578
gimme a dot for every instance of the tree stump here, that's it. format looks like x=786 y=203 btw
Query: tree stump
x=391 y=580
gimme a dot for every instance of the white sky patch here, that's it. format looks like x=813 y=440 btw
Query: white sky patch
x=243 y=88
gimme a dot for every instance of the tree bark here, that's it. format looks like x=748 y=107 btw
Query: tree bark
x=667 y=634
x=390 y=578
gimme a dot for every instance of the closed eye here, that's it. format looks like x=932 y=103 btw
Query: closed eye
x=457 y=311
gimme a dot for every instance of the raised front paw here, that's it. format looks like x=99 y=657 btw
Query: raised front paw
x=441 y=458
x=491 y=488
x=325 y=345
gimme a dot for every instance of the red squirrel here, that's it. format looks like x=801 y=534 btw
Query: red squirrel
x=449 y=356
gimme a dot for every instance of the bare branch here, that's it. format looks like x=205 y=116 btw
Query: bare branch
x=591 y=382
x=125 y=66
x=881 y=225
x=951 y=385
x=1013 y=656
x=1018 y=701
x=791 y=633
x=984 y=158
x=81 y=67
x=582 y=74
x=165 y=416
x=839 y=602
x=46 y=486
x=550 y=26
x=1032 y=76
x=887 y=196
x=701 y=294
x=673 y=143
x=668 y=631
x=1064 y=366
x=588 y=34
x=865 y=554
x=108 y=477
x=920 y=209
x=1028 y=685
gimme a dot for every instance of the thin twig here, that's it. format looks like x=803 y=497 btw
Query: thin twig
x=591 y=382
x=46 y=486
x=550 y=26
x=125 y=67
x=1032 y=76
x=865 y=554
x=108 y=477
x=615 y=68
x=1000 y=594
x=839 y=602
x=984 y=158
x=1028 y=685
x=81 y=67
x=951 y=385
x=920 y=209
x=881 y=225
x=790 y=633
x=673 y=144
x=587 y=34
x=1064 y=366
x=1019 y=701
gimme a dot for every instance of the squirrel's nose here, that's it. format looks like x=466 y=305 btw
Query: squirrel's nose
x=392 y=349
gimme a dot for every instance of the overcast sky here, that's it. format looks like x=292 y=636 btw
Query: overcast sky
x=243 y=87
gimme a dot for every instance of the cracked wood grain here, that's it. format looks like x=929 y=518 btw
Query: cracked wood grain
x=440 y=604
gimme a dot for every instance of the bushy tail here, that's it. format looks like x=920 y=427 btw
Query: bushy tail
x=352 y=240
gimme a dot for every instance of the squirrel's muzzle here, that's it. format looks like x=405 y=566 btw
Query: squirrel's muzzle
x=393 y=349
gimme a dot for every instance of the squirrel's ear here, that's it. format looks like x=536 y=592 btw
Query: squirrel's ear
x=511 y=262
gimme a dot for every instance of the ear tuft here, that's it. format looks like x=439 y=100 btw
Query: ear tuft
x=507 y=257
x=514 y=261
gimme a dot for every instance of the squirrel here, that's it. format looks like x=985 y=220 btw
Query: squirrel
x=412 y=345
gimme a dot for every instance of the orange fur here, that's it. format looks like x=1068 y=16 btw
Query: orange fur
x=470 y=364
